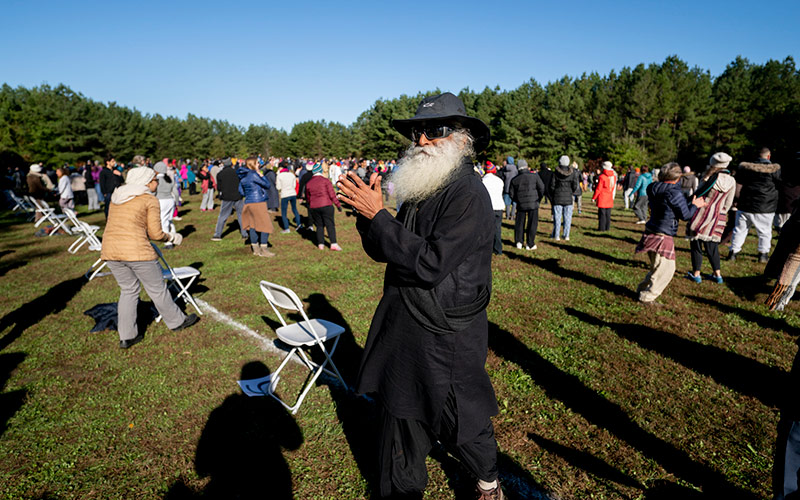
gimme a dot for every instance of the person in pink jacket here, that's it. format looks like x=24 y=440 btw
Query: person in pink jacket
x=321 y=199
x=604 y=196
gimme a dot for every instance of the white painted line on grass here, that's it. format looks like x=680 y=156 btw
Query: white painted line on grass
x=266 y=344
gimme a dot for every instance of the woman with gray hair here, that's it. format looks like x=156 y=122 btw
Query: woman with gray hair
x=134 y=220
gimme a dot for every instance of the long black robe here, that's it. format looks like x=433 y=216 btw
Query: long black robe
x=410 y=368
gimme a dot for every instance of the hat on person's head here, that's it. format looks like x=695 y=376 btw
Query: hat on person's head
x=686 y=170
x=317 y=168
x=445 y=108
x=720 y=160
x=490 y=168
x=563 y=161
x=227 y=162
x=607 y=165
x=522 y=164
x=510 y=160
x=140 y=176
x=160 y=167
x=35 y=168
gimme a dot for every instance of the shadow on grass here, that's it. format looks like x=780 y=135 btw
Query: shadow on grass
x=10 y=402
x=27 y=315
x=748 y=287
x=586 y=462
x=3 y=253
x=241 y=448
x=187 y=230
x=602 y=257
x=600 y=412
x=358 y=415
x=624 y=239
x=11 y=266
x=738 y=372
x=553 y=266
x=762 y=320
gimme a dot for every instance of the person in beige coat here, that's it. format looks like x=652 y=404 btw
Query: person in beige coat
x=133 y=220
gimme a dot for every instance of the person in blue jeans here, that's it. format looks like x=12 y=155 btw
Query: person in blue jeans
x=563 y=184
x=286 y=183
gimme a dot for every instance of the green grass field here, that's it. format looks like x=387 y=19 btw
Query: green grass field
x=600 y=397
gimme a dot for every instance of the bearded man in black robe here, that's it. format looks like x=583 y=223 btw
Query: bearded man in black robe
x=425 y=355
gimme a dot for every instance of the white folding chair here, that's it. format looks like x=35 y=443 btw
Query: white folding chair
x=21 y=204
x=179 y=278
x=86 y=233
x=307 y=333
x=94 y=271
x=59 y=221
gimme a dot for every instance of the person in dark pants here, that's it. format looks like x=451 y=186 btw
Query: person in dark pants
x=321 y=199
x=705 y=229
x=526 y=190
x=640 y=190
x=426 y=350
x=495 y=186
x=110 y=178
x=604 y=196
x=228 y=184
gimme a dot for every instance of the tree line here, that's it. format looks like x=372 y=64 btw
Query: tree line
x=645 y=115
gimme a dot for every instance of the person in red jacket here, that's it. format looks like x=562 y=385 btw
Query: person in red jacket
x=321 y=199
x=604 y=196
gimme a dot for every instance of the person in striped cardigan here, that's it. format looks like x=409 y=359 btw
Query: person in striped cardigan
x=705 y=228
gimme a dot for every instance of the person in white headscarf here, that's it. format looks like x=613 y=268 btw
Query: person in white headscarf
x=133 y=220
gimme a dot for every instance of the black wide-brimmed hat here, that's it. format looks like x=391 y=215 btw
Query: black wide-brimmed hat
x=445 y=108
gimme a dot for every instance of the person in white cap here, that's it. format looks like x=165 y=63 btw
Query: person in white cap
x=39 y=185
x=707 y=225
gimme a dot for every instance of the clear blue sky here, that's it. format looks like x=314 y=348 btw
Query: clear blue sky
x=282 y=63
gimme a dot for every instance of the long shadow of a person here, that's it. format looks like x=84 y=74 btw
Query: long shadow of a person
x=357 y=414
x=241 y=447
x=30 y=313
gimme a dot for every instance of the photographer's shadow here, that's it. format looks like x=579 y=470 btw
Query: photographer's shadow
x=241 y=447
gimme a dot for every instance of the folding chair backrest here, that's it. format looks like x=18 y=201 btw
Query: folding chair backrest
x=73 y=218
x=280 y=296
x=162 y=260
x=35 y=203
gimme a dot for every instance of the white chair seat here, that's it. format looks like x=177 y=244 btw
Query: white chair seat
x=299 y=334
x=180 y=272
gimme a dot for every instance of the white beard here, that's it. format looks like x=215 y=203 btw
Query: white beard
x=423 y=171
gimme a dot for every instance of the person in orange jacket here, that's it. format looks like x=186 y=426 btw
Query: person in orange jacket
x=604 y=196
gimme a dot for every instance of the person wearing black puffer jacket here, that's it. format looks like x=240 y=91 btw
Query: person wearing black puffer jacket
x=563 y=184
x=526 y=189
x=758 y=200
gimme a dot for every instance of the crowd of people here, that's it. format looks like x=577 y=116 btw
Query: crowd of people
x=438 y=247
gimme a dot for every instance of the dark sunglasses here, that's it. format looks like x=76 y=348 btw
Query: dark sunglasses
x=430 y=131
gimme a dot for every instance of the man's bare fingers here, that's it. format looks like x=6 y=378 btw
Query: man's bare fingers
x=356 y=180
